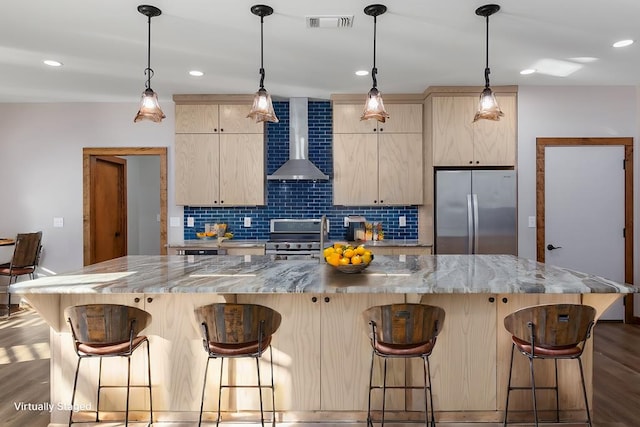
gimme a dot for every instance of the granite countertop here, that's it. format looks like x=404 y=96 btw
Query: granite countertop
x=446 y=274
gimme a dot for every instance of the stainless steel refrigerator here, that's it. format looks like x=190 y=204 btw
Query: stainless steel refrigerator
x=475 y=212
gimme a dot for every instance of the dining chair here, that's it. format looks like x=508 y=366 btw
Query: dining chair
x=26 y=255
x=550 y=331
x=403 y=331
x=236 y=331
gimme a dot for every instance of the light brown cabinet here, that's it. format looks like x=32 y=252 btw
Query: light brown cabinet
x=377 y=163
x=458 y=141
x=220 y=156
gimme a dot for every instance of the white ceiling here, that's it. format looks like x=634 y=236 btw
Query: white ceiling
x=421 y=43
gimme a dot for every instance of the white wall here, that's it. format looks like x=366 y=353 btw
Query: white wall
x=41 y=167
x=609 y=111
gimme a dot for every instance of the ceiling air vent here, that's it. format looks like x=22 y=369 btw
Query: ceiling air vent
x=330 y=21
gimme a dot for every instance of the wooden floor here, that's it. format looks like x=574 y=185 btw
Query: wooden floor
x=24 y=375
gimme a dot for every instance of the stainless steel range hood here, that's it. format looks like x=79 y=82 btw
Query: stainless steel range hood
x=298 y=167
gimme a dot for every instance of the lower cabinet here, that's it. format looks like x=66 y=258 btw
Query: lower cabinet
x=400 y=250
x=322 y=352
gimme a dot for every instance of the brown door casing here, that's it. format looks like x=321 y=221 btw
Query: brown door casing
x=627 y=142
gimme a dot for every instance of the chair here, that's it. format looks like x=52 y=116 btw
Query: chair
x=235 y=331
x=108 y=330
x=553 y=331
x=26 y=254
x=403 y=331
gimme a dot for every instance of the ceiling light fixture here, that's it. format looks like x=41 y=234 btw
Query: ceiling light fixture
x=488 y=107
x=374 y=107
x=527 y=71
x=196 y=73
x=362 y=73
x=262 y=108
x=149 y=107
x=623 y=43
x=52 y=63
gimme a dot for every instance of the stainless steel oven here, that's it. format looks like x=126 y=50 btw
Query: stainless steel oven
x=295 y=238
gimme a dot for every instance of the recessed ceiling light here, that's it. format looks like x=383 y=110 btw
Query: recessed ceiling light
x=362 y=73
x=528 y=71
x=196 y=73
x=52 y=63
x=623 y=43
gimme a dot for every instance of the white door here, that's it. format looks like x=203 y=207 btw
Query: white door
x=584 y=212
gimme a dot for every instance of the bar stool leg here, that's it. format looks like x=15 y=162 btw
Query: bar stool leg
x=584 y=393
x=433 y=416
x=506 y=406
x=126 y=413
x=426 y=396
x=555 y=361
x=204 y=386
x=99 y=387
x=533 y=392
x=220 y=391
x=369 y=421
x=73 y=393
x=273 y=390
x=384 y=389
x=260 y=390
x=150 y=396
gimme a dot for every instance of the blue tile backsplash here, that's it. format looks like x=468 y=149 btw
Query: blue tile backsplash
x=301 y=199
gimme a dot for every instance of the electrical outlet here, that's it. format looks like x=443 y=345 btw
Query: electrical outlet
x=346 y=221
x=532 y=222
x=247 y=221
x=58 y=222
x=191 y=222
x=402 y=221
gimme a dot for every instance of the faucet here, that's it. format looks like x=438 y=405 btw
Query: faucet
x=323 y=229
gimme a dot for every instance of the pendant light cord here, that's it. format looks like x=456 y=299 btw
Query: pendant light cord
x=486 y=69
x=261 y=53
x=148 y=71
x=374 y=70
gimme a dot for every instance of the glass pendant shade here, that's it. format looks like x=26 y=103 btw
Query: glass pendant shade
x=488 y=106
x=374 y=107
x=149 y=108
x=262 y=108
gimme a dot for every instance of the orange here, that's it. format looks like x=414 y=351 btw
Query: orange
x=334 y=259
x=356 y=259
x=366 y=258
x=349 y=253
x=344 y=261
x=328 y=251
x=360 y=250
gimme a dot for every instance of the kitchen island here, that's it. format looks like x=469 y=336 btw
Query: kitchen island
x=321 y=351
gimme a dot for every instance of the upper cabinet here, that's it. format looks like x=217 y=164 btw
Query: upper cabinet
x=219 y=156
x=458 y=141
x=377 y=164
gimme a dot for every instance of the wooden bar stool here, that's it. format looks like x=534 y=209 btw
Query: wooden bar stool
x=403 y=331
x=108 y=330
x=552 y=331
x=235 y=331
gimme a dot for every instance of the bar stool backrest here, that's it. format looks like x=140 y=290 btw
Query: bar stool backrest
x=404 y=323
x=228 y=323
x=553 y=325
x=27 y=249
x=106 y=323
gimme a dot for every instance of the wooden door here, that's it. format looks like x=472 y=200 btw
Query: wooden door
x=108 y=208
x=355 y=168
x=400 y=169
x=452 y=130
x=495 y=141
x=242 y=169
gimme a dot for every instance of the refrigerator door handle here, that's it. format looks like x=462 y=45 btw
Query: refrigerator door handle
x=475 y=224
x=470 y=228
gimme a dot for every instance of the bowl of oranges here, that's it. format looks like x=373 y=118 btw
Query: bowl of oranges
x=347 y=258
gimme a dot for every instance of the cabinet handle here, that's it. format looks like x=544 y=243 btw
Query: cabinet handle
x=314 y=299
x=381 y=201
x=381 y=129
x=375 y=130
x=221 y=130
x=215 y=129
x=136 y=300
x=505 y=300
x=221 y=201
x=149 y=300
x=477 y=161
x=492 y=299
x=327 y=299
x=470 y=162
x=375 y=201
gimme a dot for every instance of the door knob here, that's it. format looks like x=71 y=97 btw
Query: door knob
x=551 y=247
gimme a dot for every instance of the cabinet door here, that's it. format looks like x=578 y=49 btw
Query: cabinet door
x=346 y=119
x=400 y=169
x=241 y=169
x=233 y=119
x=197 y=169
x=355 y=168
x=467 y=341
x=453 y=131
x=196 y=119
x=568 y=372
x=495 y=141
x=403 y=118
x=346 y=355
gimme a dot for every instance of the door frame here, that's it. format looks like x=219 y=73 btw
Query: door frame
x=627 y=143
x=90 y=152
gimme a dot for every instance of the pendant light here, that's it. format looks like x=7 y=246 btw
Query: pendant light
x=488 y=107
x=262 y=108
x=374 y=107
x=149 y=107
